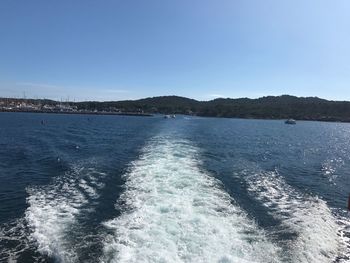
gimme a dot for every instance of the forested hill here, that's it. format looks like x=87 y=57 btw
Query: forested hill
x=279 y=107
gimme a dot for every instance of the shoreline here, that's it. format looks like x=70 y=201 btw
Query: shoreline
x=331 y=120
x=83 y=113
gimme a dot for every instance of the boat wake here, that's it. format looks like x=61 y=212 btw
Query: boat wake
x=53 y=211
x=14 y=240
x=51 y=216
x=316 y=233
x=176 y=212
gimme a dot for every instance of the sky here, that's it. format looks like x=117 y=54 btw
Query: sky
x=115 y=50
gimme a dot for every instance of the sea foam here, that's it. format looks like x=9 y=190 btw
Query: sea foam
x=319 y=234
x=53 y=209
x=176 y=212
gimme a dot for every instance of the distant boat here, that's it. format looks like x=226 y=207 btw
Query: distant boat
x=169 y=116
x=290 y=121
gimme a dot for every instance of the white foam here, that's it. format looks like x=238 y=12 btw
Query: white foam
x=178 y=213
x=15 y=233
x=343 y=220
x=53 y=210
x=88 y=189
x=316 y=228
x=49 y=216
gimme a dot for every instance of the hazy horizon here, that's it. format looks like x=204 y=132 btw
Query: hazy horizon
x=171 y=95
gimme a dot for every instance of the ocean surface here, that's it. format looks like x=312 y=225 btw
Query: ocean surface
x=79 y=188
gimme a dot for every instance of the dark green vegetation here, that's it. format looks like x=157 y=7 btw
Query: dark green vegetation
x=281 y=107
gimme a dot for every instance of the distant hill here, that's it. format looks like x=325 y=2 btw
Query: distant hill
x=281 y=107
x=163 y=104
x=270 y=107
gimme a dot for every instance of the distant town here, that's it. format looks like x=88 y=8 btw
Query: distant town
x=37 y=105
x=50 y=106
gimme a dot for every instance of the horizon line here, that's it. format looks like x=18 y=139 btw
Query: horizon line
x=159 y=96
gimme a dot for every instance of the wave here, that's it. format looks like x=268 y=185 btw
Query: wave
x=176 y=212
x=53 y=211
x=317 y=234
x=51 y=216
x=14 y=240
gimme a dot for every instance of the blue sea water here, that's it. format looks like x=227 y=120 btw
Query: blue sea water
x=81 y=188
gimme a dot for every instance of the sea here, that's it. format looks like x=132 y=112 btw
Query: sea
x=93 y=188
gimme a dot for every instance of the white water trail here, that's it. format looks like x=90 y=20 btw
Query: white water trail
x=318 y=234
x=53 y=211
x=16 y=233
x=179 y=213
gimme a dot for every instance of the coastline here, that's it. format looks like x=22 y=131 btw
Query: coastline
x=137 y=114
x=82 y=112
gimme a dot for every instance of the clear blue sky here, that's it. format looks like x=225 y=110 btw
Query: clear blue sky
x=111 y=50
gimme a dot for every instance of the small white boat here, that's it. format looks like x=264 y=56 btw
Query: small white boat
x=290 y=121
x=169 y=116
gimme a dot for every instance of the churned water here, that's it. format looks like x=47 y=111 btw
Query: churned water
x=136 y=189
